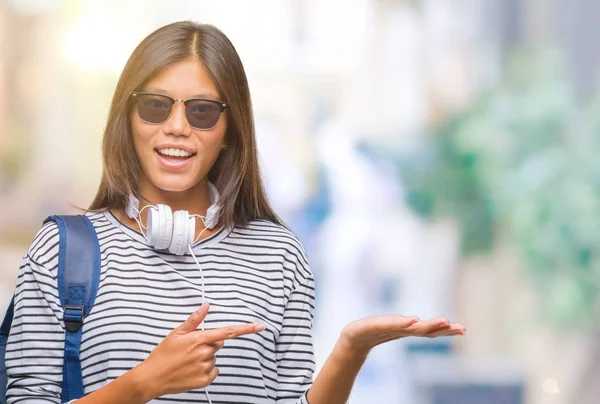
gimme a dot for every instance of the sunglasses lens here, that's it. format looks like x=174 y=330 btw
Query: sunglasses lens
x=154 y=108
x=202 y=114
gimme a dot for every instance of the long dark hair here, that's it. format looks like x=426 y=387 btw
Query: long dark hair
x=236 y=172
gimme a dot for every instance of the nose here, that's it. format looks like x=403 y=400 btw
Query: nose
x=177 y=124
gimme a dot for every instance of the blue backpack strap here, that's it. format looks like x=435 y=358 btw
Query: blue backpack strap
x=7 y=322
x=78 y=279
x=4 y=331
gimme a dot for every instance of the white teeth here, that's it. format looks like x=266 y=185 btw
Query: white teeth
x=174 y=152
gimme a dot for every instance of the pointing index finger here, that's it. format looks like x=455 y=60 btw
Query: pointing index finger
x=233 y=331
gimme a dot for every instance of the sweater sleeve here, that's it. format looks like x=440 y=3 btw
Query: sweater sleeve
x=294 y=348
x=34 y=352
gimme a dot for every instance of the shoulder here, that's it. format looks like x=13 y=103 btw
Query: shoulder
x=271 y=234
x=99 y=220
x=268 y=237
x=268 y=228
x=44 y=247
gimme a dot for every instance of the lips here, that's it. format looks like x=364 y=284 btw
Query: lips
x=174 y=162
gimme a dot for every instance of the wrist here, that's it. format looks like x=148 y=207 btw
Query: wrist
x=141 y=382
x=346 y=350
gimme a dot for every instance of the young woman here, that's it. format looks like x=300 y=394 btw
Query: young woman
x=180 y=138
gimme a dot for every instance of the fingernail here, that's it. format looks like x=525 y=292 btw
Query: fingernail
x=259 y=328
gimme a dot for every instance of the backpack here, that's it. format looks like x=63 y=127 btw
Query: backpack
x=78 y=279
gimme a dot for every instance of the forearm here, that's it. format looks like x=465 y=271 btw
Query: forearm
x=335 y=380
x=126 y=389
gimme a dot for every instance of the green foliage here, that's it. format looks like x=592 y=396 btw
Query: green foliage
x=522 y=162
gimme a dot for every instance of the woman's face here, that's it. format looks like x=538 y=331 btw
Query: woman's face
x=174 y=156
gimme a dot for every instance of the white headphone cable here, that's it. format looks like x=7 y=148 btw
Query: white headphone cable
x=139 y=221
x=203 y=219
x=202 y=296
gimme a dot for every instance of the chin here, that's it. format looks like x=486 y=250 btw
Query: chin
x=181 y=185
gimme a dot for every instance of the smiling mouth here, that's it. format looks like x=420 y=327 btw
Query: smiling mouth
x=174 y=154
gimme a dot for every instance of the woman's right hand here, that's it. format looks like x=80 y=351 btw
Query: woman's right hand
x=185 y=359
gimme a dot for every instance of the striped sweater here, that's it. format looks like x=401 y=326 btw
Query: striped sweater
x=258 y=274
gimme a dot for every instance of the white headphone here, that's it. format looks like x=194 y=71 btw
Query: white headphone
x=170 y=230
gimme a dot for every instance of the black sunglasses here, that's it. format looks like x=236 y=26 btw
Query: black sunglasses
x=201 y=113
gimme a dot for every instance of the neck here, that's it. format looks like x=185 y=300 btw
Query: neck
x=195 y=200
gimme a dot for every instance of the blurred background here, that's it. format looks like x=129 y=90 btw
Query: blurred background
x=435 y=157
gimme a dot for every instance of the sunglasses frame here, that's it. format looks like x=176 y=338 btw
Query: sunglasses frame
x=222 y=106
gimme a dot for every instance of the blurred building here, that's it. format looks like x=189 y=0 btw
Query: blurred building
x=330 y=80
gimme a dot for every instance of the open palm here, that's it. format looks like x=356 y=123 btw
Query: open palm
x=369 y=332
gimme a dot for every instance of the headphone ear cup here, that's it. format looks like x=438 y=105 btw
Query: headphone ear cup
x=165 y=227
x=180 y=232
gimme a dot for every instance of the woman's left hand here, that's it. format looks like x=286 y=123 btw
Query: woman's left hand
x=362 y=335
